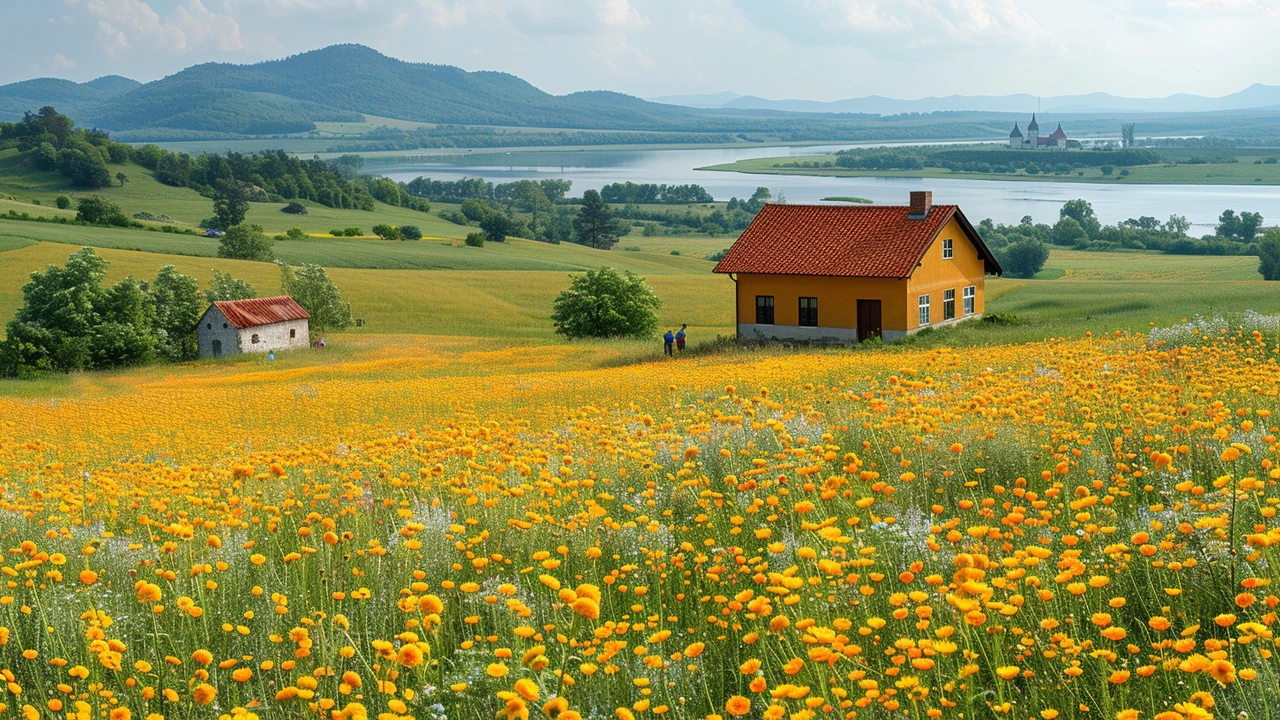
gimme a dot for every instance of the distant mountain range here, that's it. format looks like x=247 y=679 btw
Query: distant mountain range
x=1254 y=96
x=69 y=97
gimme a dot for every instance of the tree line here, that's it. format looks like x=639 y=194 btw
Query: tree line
x=1022 y=248
x=69 y=320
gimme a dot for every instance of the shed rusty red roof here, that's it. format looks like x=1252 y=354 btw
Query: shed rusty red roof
x=860 y=241
x=261 y=311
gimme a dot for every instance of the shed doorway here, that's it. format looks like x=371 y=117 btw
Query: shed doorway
x=216 y=347
x=868 y=319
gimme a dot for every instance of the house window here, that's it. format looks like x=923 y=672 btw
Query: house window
x=923 y=316
x=948 y=304
x=209 y=326
x=764 y=309
x=809 y=312
x=969 y=294
x=946 y=249
x=293 y=333
x=254 y=339
x=224 y=326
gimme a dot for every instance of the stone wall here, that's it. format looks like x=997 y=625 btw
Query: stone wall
x=277 y=336
x=214 y=326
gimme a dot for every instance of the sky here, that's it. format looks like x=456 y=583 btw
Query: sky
x=780 y=49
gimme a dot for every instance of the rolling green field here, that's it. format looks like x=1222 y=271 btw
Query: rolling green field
x=1243 y=172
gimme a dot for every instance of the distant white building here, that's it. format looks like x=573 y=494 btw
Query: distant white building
x=230 y=327
x=1057 y=140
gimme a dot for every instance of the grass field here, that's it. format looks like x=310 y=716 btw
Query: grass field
x=1243 y=172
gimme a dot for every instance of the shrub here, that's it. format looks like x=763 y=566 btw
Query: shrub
x=1269 y=255
x=410 y=232
x=63 y=202
x=475 y=239
x=454 y=217
x=1025 y=258
x=606 y=303
x=496 y=227
x=294 y=208
x=387 y=232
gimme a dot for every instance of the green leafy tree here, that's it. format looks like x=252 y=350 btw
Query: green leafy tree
x=475 y=239
x=122 y=178
x=555 y=189
x=1269 y=255
x=245 y=242
x=496 y=226
x=230 y=203
x=178 y=307
x=224 y=287
x=63 y=202
x=97 y=210
x=606 y=303
x=410 y=232
x=1082 y=212
x=311 y=288
x=46 y=157
x=52 y=329
x=1068 y=232
x=1024 y=258
x=1242 y=227
x=595 y=225
x=126 y=333
x=532 y=198
x=1178 y=225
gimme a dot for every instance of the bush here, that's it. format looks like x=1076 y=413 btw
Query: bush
x=1269 y=255
x=387 y=232
x=496 y=227
x=294 y=208
x=454 y=217
x=63 y=202
x=295 y=233
x=347 y=232
x=605 y=303
x=410 y=232
x=245 y=242
x=475 y=239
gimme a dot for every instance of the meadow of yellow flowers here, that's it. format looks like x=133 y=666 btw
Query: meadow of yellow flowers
x=1069 y=529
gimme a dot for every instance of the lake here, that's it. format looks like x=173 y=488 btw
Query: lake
x=1002 y=200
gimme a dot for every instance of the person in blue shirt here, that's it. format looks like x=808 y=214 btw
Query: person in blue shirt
x=667 y=341
x=680 y=337
x=271 y=355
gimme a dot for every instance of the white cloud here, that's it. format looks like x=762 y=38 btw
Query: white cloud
x=62 y=62
x=125 y=23
x=617 y=55
x=619 y=13
x=1219 y=6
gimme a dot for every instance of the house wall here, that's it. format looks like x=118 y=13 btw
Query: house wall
x=275 y=336
x=935 y=275
x=837 y=305
x=214 y=326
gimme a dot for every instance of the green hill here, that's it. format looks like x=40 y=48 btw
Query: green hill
x=75 y=99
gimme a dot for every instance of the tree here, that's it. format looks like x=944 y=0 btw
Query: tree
x=224 y=287
x=97 y=210
x=178 y=306
x=1082 y=212
x=126 y=333
x=230 y=203
x=532 y=199
x=63 y=202
x=555 y=190
x=1242 y=227
x=46 y=157
x=1024 y=258
x=245 y=242
x=475 y=239
x=387 y=232
x=122 y=178
x=1069 y=232
x=1178 y=225
x=595 y=225
x=311 y=288
x=1126 y=134
x=51 y=331
x=496 y=226
x=605 y=303
x=410 y=232
x=1269 y=255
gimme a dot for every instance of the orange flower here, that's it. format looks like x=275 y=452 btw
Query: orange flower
x=737 y=706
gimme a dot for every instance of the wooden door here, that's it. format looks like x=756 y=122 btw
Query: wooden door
x=216 y=346
x=868 y=319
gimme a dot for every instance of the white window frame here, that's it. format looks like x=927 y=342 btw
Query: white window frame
x=948 y=249
x=922 y=311
x=970 y=299
x=948 y=296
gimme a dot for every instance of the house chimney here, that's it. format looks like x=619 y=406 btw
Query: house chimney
x=921 y=203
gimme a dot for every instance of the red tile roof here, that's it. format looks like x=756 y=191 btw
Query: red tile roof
x=261 y=311
x=858 y=241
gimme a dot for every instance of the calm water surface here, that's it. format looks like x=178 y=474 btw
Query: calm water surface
x=1003 y=201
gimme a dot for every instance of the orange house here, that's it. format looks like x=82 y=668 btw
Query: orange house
x=848 y=273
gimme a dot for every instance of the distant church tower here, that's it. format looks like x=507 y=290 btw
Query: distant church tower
x=1033 y=133
x=1015 y=138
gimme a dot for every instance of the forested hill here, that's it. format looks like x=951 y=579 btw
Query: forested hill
x=337 y=82
x=75 y=98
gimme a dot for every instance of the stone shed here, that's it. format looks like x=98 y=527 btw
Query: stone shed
x=230 y=327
